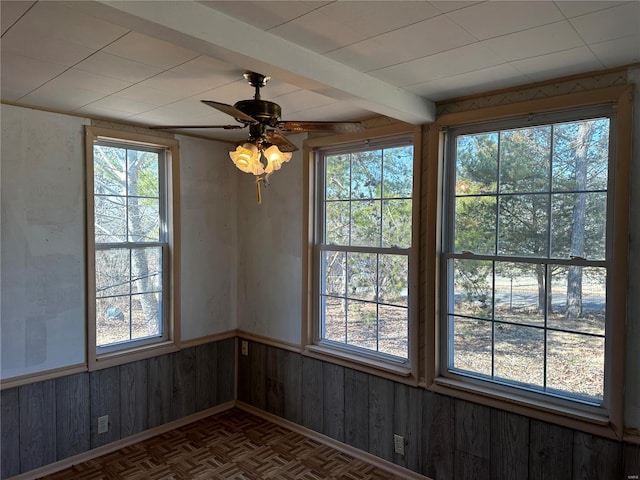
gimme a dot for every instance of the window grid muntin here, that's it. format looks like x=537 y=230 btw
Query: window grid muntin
x=322 y=246
x=449 y=254
x=130 y=246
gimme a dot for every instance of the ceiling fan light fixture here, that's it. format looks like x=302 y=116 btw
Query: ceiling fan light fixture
x=247 y=158
x=275 y=158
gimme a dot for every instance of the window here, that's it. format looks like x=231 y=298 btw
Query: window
x=131 y=239
x=363 y=249
x=527 y=253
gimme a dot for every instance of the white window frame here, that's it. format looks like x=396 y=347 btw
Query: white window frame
x=105 y=356
x=336 y=352
x=606 y=419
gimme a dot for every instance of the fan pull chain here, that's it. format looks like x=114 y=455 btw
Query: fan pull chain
x=258 y=195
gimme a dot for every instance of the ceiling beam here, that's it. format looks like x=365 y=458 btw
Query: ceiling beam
x=210 y=32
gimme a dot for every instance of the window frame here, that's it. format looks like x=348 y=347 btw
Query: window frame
x=101 y=357
x=346 y=355
x=608 y=420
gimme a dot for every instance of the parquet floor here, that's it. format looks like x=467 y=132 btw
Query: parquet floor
x=231 y=445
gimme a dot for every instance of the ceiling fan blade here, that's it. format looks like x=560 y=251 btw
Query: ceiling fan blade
x=302 y=126
x=282 y=142
x=173 y=127
x=231 y=110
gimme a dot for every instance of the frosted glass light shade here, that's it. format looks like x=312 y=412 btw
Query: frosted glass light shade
x=275 y=158
x=247 y=158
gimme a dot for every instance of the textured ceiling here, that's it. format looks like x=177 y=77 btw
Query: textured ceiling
x=150 y=62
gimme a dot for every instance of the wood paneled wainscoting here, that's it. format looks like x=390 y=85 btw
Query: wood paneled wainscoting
x=446 y=438
x=49 y=421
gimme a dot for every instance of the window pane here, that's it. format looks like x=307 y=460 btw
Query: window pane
x=523 y=225
x=475 y=225
x=520 y=293
x=112 y=320
x=575 y=364
x=337 y=223
x=146 y=315
x=338 y=177
x=142 y=174
x=393 y=279
x=109 y=170
x=472 y=348
x=335 y=276
x=362 y=324
x=580 y=155
x=144 y=219
x=335 y=319
x=477 y=163
x=578 y=299
x=396 y=223
x=362 y=276
x=398 y=172
x=110 y=219
x=473 y=284
x=519 y=354
x=524 y=159
x=366 y=174
x=365 y=223
x=146 y=264
x=112 y=272
x=577 y=226
x=394 y=330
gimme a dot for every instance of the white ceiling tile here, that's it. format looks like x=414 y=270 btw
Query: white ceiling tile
x=22 y=42
x=117 y=67
x=96 y=110
x=19 y=75
x=301 y=100
x=338 y=111
x=57 y=20
x=499 y=76
x=73 y=78
x=61 y=97
x=616 y=22
x=121 y=104
x=11 y=11
x=449 y=6
x=620 y=51
x=195 y=76
x=425 y=38
x=317 y=32
x=575 y=8
x=492 y=19
x=150 y=51
x=445 y=64
x=367 y=55
x=567 y=62
x=372 y=18
x=140 y=93
x=265 y=15
x=534 y=42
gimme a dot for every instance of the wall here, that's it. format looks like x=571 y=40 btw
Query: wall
x=42 y=246
x=270 y=253
x=42 y=299
x=48 y=421
x=447 y=438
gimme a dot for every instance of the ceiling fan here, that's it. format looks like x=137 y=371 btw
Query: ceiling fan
x=263 y=119
x=266 y=131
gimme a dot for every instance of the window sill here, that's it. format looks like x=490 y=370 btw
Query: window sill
x=564 y=415
x=120 y=357
x=398 y=372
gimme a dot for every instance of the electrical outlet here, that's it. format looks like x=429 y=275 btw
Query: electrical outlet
x=103 y=424
x=398 y=444
x=245 y=348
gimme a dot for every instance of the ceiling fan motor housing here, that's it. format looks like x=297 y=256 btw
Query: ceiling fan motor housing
x=262 y=110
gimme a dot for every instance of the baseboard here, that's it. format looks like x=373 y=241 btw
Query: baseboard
x=378 y=462
x=124 y=442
